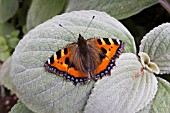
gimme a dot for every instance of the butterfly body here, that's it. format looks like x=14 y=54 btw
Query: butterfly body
x=92 y=58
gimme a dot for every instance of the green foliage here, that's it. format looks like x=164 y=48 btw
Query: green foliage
x=119 y=9
x=6 y=28
x=42 y=10
x=7 y=9
x=4 y=53
x=8 y=40
x=7 y=44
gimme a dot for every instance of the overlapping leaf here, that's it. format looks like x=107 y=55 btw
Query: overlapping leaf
x=20 y=108
x=161 y=103
x=42 y=91
x=121 y=92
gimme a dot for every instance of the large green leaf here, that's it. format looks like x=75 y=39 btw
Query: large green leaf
x=121 y=93
x=42 y=91
x=20 y=108
x=157 y=45
x=8 y=8
x=42 y=10
x=119 y=9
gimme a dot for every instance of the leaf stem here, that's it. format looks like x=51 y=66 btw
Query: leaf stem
x=165 y=4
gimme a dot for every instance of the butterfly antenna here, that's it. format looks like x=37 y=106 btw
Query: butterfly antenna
x=67 y=30
x=89 y=24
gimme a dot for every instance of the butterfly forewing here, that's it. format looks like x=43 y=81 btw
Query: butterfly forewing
x=112 y=48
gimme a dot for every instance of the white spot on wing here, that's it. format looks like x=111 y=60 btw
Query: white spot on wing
x=118 y=41
x=48 y=61
x=110 y=40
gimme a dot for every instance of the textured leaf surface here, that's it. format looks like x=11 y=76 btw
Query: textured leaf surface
x=42 y=10
x=161 y=103
x=7 y=9
x=42 y=91
x=4 y=74
x=157 y=45
x=121 y=93
x=146 y=109
x=119 y=9
x=20 y=108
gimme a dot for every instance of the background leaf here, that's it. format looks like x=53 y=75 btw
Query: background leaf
x=42 y=10
x=4 y=74
x=4 y=50
x=119 y=9
x=8 y=8
x=6 y=28
x=13 y=39
x=20 y=108
x=38 y=88
x=161 y=103
x=157 y=45
x=120 y=92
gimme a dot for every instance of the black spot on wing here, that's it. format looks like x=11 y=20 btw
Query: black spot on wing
x=65 y=51
x=58 y=53
x=67 y=60
x=115 y=41
x=104 y=50
x=71 y=65
x=52 y=59
x=107 y=41
x=101 y=56
x=99 y=41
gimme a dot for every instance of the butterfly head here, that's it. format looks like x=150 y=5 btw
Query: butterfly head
x=81 y=38
x=82 y=43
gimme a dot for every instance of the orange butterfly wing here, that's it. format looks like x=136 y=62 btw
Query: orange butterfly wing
x=112 y=48
x=59 y=63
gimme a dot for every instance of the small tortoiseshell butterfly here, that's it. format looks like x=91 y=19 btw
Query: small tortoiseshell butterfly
x=92 y=58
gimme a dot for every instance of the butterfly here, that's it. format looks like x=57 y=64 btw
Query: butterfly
x=85 y=59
